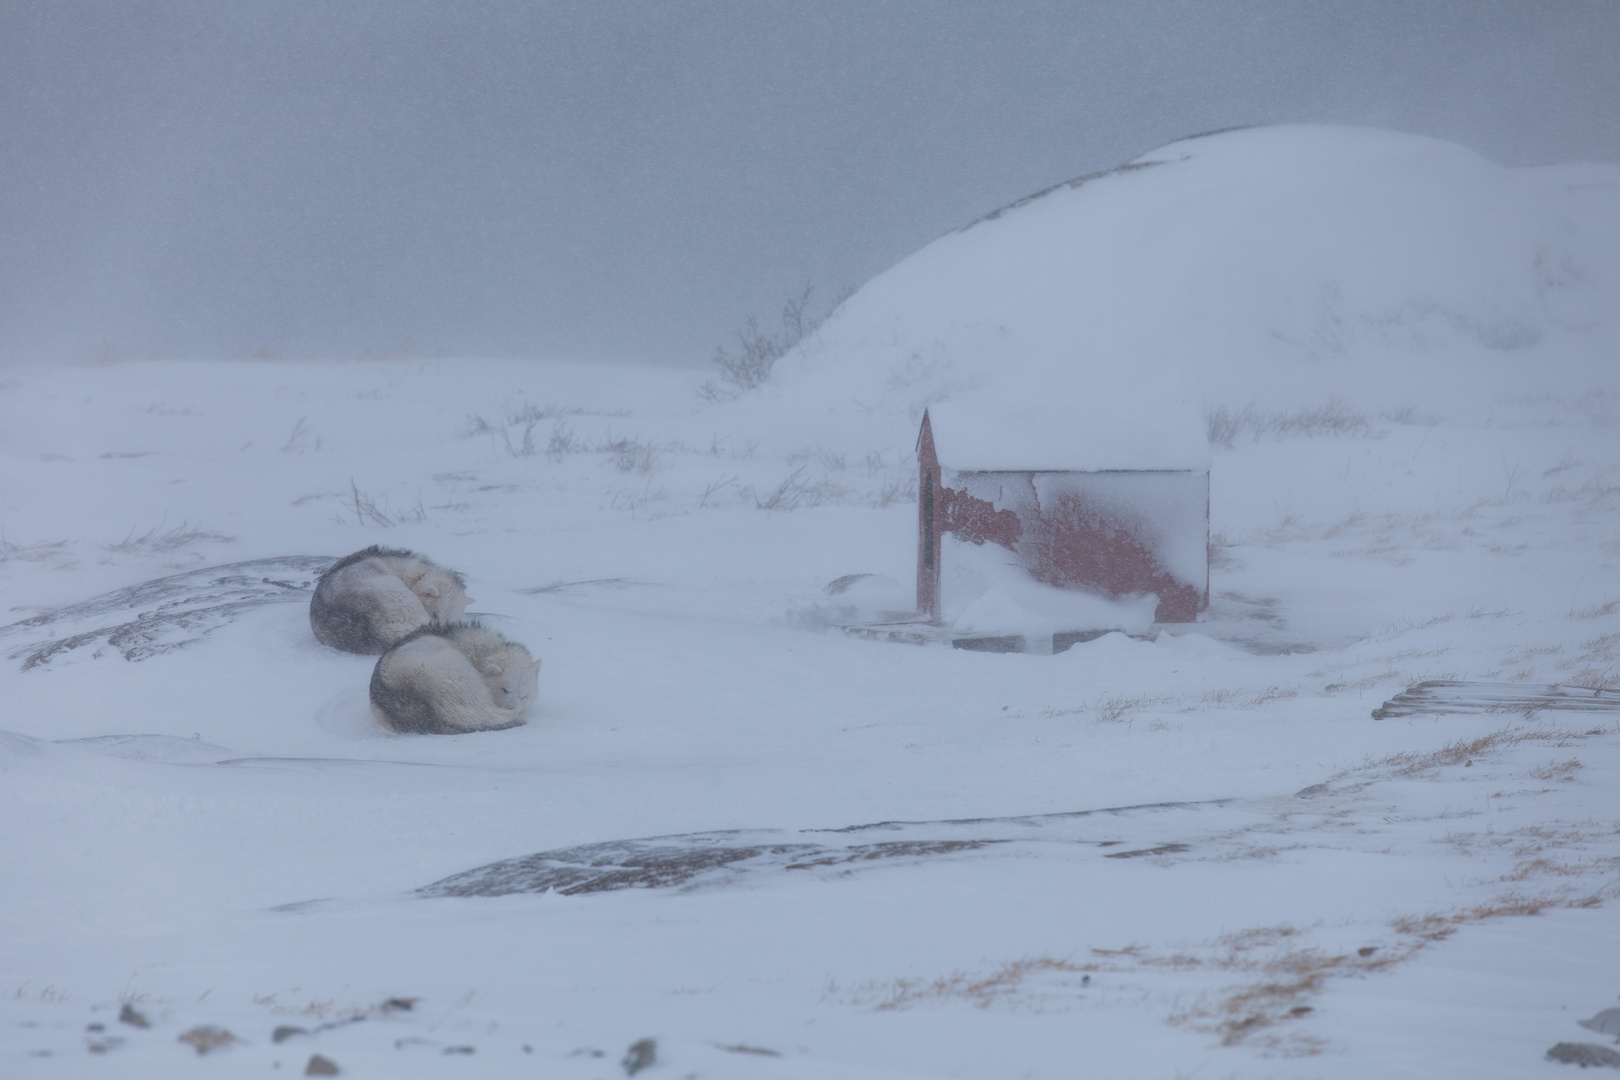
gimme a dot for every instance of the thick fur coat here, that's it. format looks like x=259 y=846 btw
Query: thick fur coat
x=371 y=599
x=449 y=679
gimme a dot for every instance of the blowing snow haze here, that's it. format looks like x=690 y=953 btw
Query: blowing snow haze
x=626 y=181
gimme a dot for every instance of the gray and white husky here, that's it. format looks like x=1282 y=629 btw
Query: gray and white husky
x=447 y=679
x=367 y=601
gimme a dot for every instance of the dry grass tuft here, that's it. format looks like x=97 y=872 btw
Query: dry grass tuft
x=1220 y=556
x=1412 y=762
x=160 y=541
x=798 y=492
x=51 y=551
x=1225 y=425
x=1004 y=983
x=1113 y=710
x=1291 y=975
x=1597 y=665
x=1557 y=770
x=375 y=510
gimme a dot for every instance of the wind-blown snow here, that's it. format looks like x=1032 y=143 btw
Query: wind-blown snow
x=1194 y=855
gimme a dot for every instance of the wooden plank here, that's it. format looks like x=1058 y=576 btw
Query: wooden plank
x=1477 y=698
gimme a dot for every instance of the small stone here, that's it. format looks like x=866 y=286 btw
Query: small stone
x=285 y=1032
x=642 y=1053
x=321 y=1066
x=132 y=1016
x=1300 y=1010
x=1585 y=1055
x=95 y=1027
x=460 y=1050
x=400 y=1004
x=1366 y=951
x=207 y=1037
x=757 y=1051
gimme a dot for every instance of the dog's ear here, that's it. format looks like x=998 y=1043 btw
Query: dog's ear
x=535 y=666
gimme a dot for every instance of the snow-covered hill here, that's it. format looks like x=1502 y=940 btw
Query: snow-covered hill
x=1270 y=266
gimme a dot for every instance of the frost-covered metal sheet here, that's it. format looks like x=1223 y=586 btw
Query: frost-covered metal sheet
x=1478 y=698
x=1127 y=435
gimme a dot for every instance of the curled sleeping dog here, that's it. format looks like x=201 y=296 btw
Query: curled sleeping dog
x=445 y=679
x=367 y=601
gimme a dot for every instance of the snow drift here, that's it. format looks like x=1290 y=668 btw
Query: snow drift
x=1274 y=266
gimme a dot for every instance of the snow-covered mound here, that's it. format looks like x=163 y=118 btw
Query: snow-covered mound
x=1269 y=266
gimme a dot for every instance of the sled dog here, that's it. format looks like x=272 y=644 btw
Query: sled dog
x=444 y=679
x=371 y=599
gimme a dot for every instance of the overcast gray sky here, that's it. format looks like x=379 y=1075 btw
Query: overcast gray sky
x=626 y=181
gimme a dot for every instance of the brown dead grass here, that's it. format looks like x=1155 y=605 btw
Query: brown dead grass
x=981 y=990
x=1286 y=979
x=1246 y=699
x=1282 y=974
x=1557 y=770
x=1416 y=763
x=1113 y=710
x=1276 y=971
x=1597 y=664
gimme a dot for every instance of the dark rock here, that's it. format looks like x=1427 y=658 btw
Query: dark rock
x=285 y=1032
x=321 y=1066
x=757 y=1051
x=642 y=1053
x=207 y=1038
x=1586 y=1055
x=1162 y=849
x=694 y=859
x=133 y=1017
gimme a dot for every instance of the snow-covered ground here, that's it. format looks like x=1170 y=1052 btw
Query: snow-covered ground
x=1194 y=856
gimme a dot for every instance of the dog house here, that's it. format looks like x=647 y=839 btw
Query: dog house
x=1114 y=504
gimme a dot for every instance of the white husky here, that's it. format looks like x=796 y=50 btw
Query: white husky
x=369 y=600
x=447 y=679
